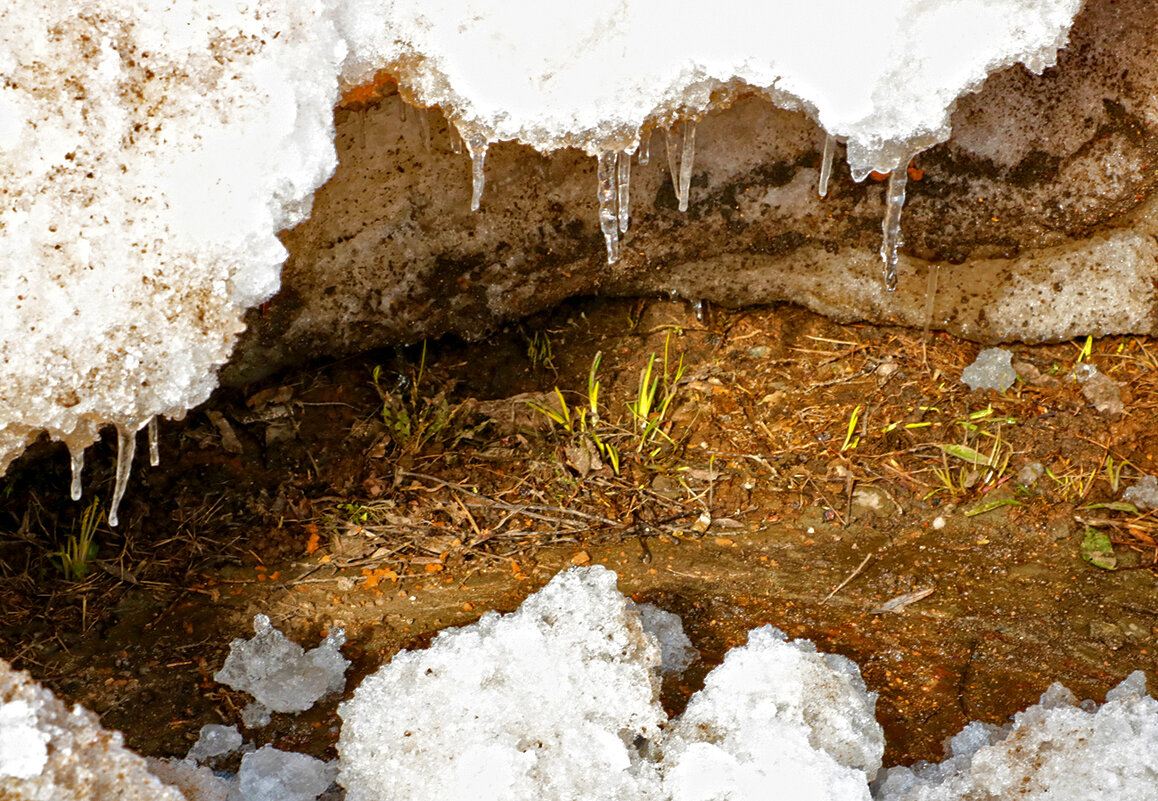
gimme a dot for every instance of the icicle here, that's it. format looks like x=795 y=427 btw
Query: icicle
x=455 y=140
x=77 y=457
x=891 y=225
x=478 y=156
x=154 y=445
x=624 y=181
x=686 y=160
x=672 y=167
x=126 y=449
x=424 y=126
x=608 y=196
x=645 y=149
x=401 y=109
x=826 y=163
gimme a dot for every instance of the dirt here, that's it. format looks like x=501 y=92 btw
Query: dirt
x=804 y=474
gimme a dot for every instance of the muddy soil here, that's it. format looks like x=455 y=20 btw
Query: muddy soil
x=837 y=481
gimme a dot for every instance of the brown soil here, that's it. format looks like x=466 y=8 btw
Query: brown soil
x=755 y=501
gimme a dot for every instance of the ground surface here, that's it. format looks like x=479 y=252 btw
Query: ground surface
x=795 y=472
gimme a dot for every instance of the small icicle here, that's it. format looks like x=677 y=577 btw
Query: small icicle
x=126 y=449
x=686 y=161
x=77 y=457
x=478 y=156
x=424 y=126
x=645 y=149
x=401 y=110
x=891 y=225
x=624 y=161
x=154 y=445
x=455 y=141
x=826 y=163
x=608 y=196
x=673 y=168
x=699 y=307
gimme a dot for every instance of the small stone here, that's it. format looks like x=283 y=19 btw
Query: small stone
x=1107 y=634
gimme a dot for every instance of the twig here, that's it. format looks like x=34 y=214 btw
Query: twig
x=851 y=576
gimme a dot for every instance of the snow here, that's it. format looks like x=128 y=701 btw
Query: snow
x=992 y=369
x=676 y=651
x=559 y=700
x=279 y=673
x=1056 y=750
x=269 y=774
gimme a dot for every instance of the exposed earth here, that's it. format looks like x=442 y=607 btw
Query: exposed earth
x=837 y=481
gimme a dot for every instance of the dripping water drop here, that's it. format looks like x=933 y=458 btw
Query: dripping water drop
x=154 y=445
x=76 y=456
x=826 y=163
x=686 y=161
x=608 y=198
x=624 y=185
x=891 y=225
x=478 y=156
x=126 y=449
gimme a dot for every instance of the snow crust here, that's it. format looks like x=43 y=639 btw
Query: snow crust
x=1057 y=750
x=149 y=154
x=559 y=700
x=49 y=752
x=591 y=75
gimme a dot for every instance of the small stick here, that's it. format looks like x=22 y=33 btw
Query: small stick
x=851 y=576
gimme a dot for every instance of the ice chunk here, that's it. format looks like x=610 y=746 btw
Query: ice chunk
x=775 y=714
x=279 y=673
x=49 y=752
x=992 y=369
x=268 y=774
x=196 y=783
x=676 y=651
x=544 y=703
x=1102 y=392
x=214 y=740
x=1144 y=493
x=1056 y=750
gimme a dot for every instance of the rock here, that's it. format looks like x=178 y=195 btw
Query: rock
x=1034 y=222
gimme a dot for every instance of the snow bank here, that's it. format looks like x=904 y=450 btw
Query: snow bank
x=149 y=154
x=559 y=700
x=879 y=74
x=48 y=751
x=1057 y=750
